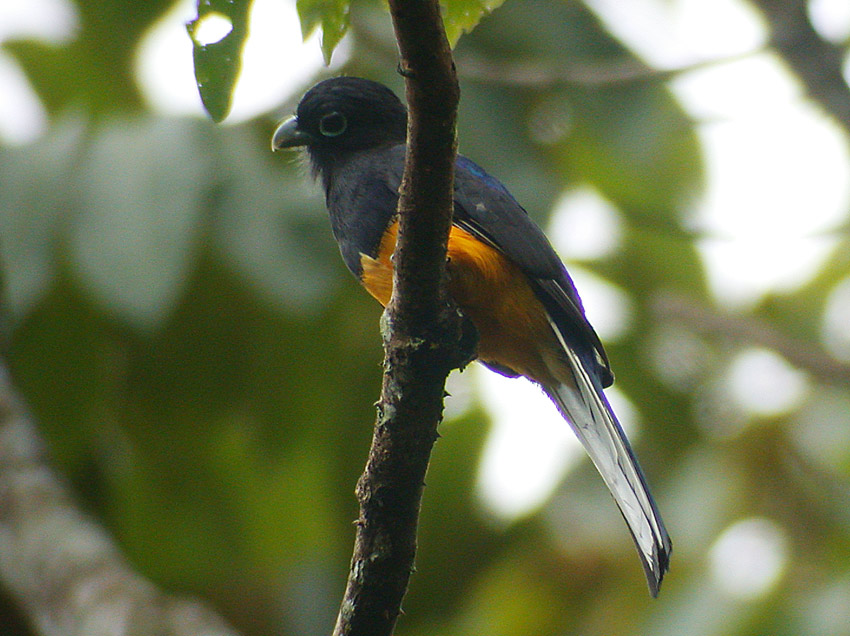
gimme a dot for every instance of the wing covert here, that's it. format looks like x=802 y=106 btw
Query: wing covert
x=485 y=208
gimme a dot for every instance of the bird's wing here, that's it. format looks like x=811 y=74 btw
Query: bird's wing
x=485 y=208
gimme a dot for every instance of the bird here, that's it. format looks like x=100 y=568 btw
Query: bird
x=503 y=274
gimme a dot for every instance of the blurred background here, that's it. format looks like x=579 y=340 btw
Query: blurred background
x=203 y=368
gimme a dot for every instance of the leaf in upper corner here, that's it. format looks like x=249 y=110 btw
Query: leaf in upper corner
x=218 y=34
x=461 y=16
x=330 y=15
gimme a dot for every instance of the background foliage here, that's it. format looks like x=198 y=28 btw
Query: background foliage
x=204 y=369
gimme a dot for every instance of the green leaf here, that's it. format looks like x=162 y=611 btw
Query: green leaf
x=330 y=15
x=141 y=192
x=90 y=69
x=461 y=16
x=635 y=144
x=218 y=59
x=35 y=181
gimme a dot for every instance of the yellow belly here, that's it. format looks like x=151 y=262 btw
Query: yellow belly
x=492 y=291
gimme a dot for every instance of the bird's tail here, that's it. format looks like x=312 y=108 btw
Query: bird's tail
x=583 y=403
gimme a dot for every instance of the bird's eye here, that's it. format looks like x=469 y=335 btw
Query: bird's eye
x=333 y=124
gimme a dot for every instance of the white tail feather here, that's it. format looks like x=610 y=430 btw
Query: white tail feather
x=584 y=405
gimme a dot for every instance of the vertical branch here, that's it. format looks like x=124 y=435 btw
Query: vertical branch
x=425 y=205
x=422 y=331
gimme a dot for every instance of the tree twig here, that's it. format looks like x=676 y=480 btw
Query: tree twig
x=752 y=331
x=538 y=74
x=424 y=335
x=65 y=573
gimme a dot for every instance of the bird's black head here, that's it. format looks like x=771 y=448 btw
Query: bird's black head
x=343 y=115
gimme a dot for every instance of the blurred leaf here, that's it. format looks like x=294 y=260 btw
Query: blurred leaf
x=513 y=598
x=462 y=16
x=32 y=206
x=491 y=131
x=62 y=357
x=632 y=141
x=329 y=15
x=272 y=226
x=653 y=258
x=636 y=145
x=785 y=309
x=94 y=70
x=218 y=61
x=140 y=205
x=540 y=32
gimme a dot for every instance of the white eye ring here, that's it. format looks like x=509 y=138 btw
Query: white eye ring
x=333 y=124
